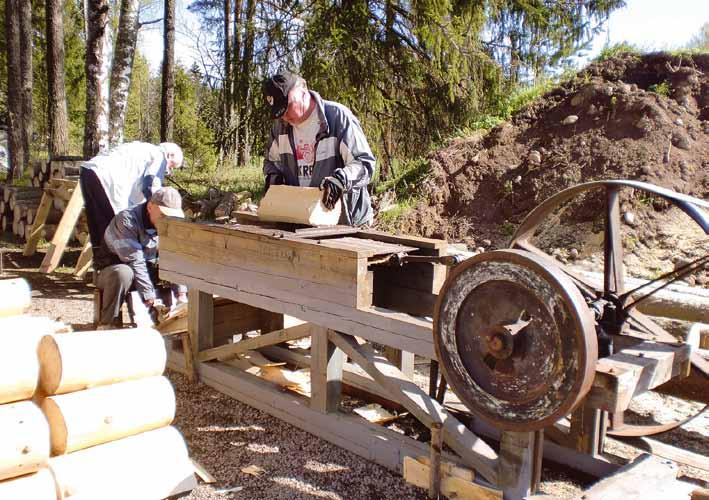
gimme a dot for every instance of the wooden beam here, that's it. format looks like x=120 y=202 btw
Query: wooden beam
x=64 y=232
x=471 y=448
x=634 y=370
x=325 y=371
x=403 y=360
x=353 y=433
x=667 y=451
x=230 y=350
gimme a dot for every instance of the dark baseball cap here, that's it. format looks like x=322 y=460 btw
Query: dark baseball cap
x=168 y=201
x=275 y=90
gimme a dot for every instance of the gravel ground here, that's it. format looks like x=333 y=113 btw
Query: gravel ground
x=226 y=436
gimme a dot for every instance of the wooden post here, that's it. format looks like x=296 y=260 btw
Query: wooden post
x=403 y=360
x=518 y=464
x=325 y=371
x=434 y=488
x=200 y=321
x=588 y=429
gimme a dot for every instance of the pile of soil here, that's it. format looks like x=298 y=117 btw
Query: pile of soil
x=640 y=117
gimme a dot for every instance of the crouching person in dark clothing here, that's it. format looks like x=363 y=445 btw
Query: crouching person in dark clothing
x=130 y=246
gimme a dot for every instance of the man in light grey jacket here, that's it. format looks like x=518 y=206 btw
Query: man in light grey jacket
x=318 y=143
x=130 y=255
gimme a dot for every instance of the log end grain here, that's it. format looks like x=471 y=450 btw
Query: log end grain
x=50 y=360
x=57 y=424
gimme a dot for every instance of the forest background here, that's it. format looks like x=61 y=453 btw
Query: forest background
x=416 y=73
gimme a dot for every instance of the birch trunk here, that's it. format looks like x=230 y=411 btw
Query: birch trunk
x=167 y=105
x=14 y=91
x=56 y=102
x=26 y=77
x=97 y=27
x=122 y=68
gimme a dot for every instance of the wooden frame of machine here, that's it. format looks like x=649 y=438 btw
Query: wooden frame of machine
x=370 y=302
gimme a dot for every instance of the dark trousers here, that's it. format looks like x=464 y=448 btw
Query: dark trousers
x=99 y=211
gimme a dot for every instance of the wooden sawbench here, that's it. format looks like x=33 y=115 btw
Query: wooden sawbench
x=340 y=285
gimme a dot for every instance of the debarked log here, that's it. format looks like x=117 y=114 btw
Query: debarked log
x=86 y=418
x=81 y=360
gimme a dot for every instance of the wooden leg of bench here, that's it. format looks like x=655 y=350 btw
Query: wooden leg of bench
x=189 y=360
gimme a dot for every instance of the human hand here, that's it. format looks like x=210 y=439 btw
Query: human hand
x=332 y=189
x=182 y=298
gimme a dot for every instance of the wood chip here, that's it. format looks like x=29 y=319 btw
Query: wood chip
x=254 y=470
x=375 y=413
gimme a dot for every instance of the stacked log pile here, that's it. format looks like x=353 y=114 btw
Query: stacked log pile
x=63 y=167
x=79 y=410
x=18 y=204
x=24 y=430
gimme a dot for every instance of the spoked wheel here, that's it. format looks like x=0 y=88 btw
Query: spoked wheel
x=515 y=339
x=614 y=306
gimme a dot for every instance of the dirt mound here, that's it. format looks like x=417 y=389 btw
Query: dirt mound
x=633 y=117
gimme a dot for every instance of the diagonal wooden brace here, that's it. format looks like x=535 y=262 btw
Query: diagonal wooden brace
x=476 y=452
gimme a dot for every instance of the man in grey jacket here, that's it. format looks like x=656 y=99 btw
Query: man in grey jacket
x=130 y=255
x=318 y=143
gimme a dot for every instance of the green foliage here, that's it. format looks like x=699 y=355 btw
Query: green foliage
x=661 y=88
x=406 y=179
x=247 y=178
x=610 y=51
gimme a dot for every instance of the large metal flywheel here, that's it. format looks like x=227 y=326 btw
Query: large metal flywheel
x=515 y=339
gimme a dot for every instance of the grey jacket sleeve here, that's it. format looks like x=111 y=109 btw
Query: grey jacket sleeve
x=121 y=238
x=356 y=154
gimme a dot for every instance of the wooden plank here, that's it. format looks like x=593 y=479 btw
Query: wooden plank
x=40 y=219
x=418 y=474
x=366 y=247
x=230 y=350
x=64 y=232
x=644 y=478
x=370 y=441
x=325 y=371
x=327 y=281
x=439 y=246
x=427 y=410
x=377 y=324
x=297 y=205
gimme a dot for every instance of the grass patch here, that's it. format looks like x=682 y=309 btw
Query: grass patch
x=610 y=51
x=407 y=177
x=661 y=88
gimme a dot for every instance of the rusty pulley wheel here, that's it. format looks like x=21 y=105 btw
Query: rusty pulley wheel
x=515 y=339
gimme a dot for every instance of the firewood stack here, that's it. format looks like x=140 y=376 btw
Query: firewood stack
x=100 y=410
x=62 y=167
x=18 y=204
